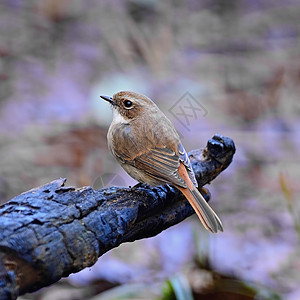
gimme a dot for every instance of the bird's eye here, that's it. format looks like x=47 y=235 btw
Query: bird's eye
x=127 y=103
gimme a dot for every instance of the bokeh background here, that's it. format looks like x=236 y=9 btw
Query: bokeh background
x=237 y=61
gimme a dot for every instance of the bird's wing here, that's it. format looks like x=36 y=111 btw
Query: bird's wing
x=162 y=164
x=159 y=162
x=184 y=158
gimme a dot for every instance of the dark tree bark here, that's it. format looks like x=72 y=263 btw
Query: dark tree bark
x=52 y=231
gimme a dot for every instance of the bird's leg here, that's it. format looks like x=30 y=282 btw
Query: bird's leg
x=138 y=185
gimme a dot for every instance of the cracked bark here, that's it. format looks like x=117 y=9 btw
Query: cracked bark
x=52 y=231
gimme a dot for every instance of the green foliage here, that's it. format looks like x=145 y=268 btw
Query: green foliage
x=289 y=198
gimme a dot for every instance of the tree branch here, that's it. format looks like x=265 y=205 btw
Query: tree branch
x=52 y=231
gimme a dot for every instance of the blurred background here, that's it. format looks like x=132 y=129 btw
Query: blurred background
x=227 y=67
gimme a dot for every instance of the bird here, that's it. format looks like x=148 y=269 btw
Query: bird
x=146 y=144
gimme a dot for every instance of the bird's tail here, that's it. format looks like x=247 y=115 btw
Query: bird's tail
x=207 y=216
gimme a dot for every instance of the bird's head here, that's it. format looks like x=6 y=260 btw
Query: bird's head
x=130 y=105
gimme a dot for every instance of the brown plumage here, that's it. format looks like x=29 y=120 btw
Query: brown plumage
x=148 y=147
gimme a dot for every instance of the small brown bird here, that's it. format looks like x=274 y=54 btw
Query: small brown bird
x=148 y=147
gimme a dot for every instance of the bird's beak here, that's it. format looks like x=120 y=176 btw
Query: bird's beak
x=108 y=99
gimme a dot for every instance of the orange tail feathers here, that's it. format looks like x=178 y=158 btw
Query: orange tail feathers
x=207 y=216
